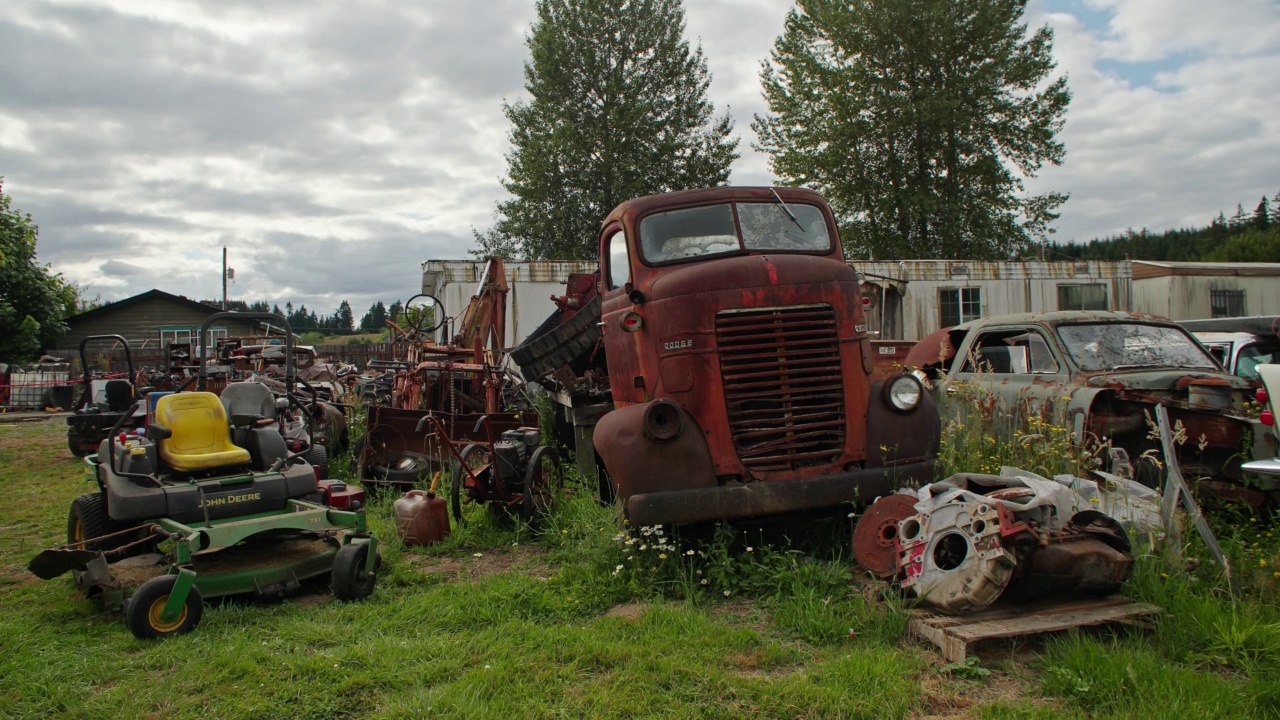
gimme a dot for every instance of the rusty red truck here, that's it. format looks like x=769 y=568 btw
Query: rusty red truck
x=738 y=362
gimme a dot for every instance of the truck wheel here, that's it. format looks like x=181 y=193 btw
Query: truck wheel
x=608 y=491
x=142 y=615
x=88 y=519
x=547 y=350
x=349 y=578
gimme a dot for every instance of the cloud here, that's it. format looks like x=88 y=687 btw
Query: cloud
x=1174 y=151
x=334 y=146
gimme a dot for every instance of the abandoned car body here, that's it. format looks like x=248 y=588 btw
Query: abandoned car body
x=1102 y=373
x=1267 y=398
x=1240 y=344
x=739 y=363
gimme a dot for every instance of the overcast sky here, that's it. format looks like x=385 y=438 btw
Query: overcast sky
x=334 y=146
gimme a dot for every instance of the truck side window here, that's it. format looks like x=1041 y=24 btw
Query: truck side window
x=619 y=267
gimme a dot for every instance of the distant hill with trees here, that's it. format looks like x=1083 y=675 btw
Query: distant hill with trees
x=1241 y=237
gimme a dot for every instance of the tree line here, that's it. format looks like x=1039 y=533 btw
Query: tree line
x=1241 y=237
x=302 y=319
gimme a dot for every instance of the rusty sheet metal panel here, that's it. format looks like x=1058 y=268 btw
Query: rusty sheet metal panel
x=392 y=432
x=889 y=357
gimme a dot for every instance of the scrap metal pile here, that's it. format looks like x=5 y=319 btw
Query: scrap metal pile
x=961 y=544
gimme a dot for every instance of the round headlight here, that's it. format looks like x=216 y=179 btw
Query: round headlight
x=904 y=393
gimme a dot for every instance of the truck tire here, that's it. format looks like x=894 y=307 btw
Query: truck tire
x=556 y=344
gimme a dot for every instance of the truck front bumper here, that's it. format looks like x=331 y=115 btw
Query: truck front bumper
x=757 y=499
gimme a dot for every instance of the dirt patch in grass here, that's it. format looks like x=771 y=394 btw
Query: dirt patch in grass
x=947 y=697
x=16 y=575
x=628 y=611
x=527 y=559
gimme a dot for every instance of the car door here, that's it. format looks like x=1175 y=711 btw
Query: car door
x=1017 y=367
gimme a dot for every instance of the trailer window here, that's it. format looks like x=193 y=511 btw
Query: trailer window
x=619 y=267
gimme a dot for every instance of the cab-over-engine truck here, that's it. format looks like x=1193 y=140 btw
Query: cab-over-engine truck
x=739 y=363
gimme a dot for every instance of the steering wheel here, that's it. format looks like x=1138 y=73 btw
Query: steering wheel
x=417 y=320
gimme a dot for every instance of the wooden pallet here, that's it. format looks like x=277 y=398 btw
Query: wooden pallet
x=955 y=634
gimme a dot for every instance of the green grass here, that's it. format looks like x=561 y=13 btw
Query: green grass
x=501 y=622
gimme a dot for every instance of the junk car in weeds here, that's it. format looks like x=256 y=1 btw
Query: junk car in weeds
x=1103 y=373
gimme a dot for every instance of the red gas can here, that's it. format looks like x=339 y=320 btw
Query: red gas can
x=421 y=518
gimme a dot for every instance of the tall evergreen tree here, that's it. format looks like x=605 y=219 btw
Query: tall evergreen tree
x=375 y=319
x=918 y=119
x=618 y=109
x=342 y=318
x=1261 y=221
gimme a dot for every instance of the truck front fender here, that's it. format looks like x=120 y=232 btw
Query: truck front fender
x=638 y=463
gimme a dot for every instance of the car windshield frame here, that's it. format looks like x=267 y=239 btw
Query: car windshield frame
x=1127 y=345
x=733 y=228
x=1255 y=353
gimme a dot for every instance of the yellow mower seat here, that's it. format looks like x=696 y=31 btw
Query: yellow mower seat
x=200 y=436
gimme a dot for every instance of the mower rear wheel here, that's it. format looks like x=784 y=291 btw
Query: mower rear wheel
x=318 y=456
x=76 y=445
x=475 y=457
x=142 y=615
x=541 y=484
x=88 y=519
x=350 y=580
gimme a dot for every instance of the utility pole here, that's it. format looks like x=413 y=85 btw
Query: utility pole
x=224 y=277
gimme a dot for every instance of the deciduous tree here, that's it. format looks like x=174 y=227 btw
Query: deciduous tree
x=919 y=120
x=33 y=300
x=618 y=108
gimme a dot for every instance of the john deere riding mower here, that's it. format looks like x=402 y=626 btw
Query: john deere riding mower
x=182 y=513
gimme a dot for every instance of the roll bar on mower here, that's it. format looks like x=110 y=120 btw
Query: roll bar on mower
x=84 y=362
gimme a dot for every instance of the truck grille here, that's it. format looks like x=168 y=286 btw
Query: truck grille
x=783 y=389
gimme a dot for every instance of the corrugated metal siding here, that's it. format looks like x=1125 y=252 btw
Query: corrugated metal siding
x=1186 y=297
x=1006 y=287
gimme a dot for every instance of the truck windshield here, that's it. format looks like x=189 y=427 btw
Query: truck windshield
x=1128 y=346
x=712 y=230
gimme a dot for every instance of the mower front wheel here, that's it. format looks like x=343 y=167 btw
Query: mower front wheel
x=350 y=579
x=143 y=614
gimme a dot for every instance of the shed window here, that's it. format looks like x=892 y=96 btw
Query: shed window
x=1082 y=297
x=1226 y=303
x=959 y=305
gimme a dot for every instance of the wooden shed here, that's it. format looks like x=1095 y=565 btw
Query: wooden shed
x=148 y=321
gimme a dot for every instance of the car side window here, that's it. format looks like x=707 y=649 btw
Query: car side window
x=619 y=265
x=1016 y=352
